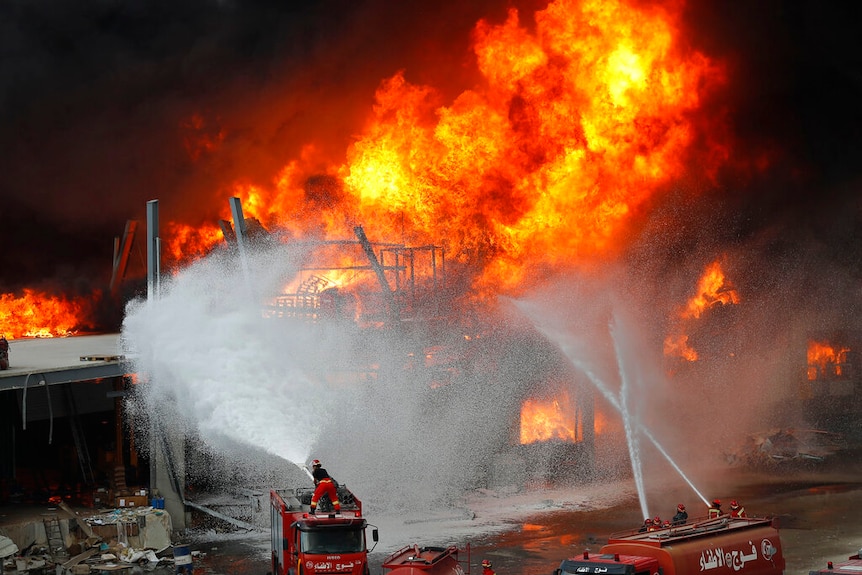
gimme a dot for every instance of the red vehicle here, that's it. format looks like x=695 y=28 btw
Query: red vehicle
x=723 y=545
x=852 y=565
x=325 y=543
x=415 y=560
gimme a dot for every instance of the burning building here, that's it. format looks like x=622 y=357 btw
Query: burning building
x=606 y=159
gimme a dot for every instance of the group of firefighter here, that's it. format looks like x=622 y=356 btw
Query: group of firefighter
x=681 y=516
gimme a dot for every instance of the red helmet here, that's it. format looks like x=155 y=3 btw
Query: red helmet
x=734 y=504
x=680 y=507
x=666 y=523
x=716 y=502
x=486 y=563
x=315 y=463
x=647 y=521
x=656 y=520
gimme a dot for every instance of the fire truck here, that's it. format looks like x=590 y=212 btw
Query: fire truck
x=749 y=546
x=321 y=543
x=852 y=565
x=416 y=560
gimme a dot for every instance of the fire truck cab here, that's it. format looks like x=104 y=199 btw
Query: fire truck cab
x=325 y=543
x=749 y=546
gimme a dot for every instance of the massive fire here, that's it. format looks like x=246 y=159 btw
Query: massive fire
x=39 y=314
x=573 y=126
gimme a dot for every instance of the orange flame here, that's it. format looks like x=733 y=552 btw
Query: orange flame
x=187 y=242
x=574 y=127
x=825 y=360
x=39 y=314
x=543 y=420
x=677 y=346
x=571 y=129
x=712 y=288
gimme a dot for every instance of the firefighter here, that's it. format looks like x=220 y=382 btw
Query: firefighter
x=656 y=523
x=486 y=568
x=324 y=484
x=736 y=510
x=715 y=509
x=681 y=515
x=4 y=352
x=646 y=526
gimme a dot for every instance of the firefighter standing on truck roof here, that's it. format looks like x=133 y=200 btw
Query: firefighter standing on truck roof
x=715 y=509
x=646 y=526
x=736 y=510
x=681 y=515
x=323 y=485
x=486 y=568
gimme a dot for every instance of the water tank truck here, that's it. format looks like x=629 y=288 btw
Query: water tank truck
x=852 y=565
x=743 y=545
x=325 y=543
x=416 y=560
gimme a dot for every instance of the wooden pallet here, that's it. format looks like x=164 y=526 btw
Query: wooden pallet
x=102 y=357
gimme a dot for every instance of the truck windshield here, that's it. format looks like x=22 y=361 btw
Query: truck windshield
x=331 y=541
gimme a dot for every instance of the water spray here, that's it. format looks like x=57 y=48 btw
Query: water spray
x=307 y=472
x=674 y=465
x=617 y=404
x=631 y=440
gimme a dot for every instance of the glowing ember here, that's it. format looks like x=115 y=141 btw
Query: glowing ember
x=37 y=314
x=825 y=360
x=550 y=419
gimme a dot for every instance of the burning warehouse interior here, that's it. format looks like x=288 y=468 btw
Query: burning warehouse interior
x=502 y=237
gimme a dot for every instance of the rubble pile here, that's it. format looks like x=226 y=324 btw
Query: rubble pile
x=787 y=446
x=112 y=540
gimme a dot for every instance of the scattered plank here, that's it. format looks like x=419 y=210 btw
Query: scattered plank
x=102 y=357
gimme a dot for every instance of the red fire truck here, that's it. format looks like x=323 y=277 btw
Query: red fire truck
x=415 y=560
x=325 y=543
x=723 y=545
x=852 y=565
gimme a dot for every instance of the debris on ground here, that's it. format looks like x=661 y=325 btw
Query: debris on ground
x=112 y=540
x=786 y=446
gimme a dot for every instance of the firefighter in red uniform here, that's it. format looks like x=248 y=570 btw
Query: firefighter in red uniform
x=736 y=510
x=323 y=485
x=486 y=568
